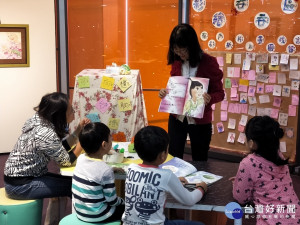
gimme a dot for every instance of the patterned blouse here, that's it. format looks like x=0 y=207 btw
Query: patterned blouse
x=35 y=147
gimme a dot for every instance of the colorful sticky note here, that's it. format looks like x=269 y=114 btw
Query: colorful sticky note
x=272 y=77
x=124 y=84
x=233 y=92
x=102 y=105
x=237 y=72
x=244 y=82
x=223 y=115
x=269 y=88
x=251 y=91
x=251 y=75
x=124 y=105
x=271 y=67
x=277 y=101
x=228 y=58
x=260 y=88
x=274 y=113
x=93 y=117
x=292 y=110
x=107 y=83
x=83 y=82
x=113 y=123
x=277 y=90
x=295 y=99
x=220 y=60
x=227 y=83
x=224 y=105
x=231 y=137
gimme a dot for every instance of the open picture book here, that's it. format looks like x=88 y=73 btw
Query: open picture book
x=184 y=169
x=185 y=96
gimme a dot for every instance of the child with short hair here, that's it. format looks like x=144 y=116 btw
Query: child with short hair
x=263 y=177
x=146 y=185
x=93 y=185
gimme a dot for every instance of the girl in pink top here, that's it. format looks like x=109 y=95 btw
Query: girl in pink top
x=263 y=178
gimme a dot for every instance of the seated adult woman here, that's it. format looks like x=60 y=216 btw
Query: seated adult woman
x=44 y=137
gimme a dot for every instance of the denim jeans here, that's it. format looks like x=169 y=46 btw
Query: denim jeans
x=181 y=222
x=48 y=186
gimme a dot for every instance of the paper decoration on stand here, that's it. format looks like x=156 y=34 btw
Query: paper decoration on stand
x=119 y=137
x=113 y=123
x=93 y=117
x=289 y=7
x=262 y=20
x=124 y=105
x=107 y=83
x=241 y=5
x=260 y=39
x=199 y=5
x=103 y=105
x=219 y=19
x=124 y=84
x=83 y=82
x=204 y=36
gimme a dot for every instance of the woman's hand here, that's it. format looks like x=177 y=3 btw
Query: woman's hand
x=206 y=98
x=163 y=92
x=81 y=124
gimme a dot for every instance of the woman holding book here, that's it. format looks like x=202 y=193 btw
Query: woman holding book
x=188 y=60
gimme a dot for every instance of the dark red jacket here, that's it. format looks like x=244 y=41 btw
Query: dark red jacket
x=207 y=68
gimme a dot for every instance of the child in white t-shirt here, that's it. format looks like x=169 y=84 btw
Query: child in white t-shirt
x=147 y=185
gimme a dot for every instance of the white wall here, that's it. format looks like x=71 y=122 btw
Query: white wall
x=22 y=88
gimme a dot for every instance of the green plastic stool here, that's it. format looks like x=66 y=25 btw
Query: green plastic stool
x=73 y=220
x=19 y=212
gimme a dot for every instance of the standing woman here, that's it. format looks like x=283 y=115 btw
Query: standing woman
x=44 y=137
x=188 y=60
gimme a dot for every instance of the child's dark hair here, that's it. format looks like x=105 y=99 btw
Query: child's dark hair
x=92 y=135
x=150 y=141
x=53 y=108
x=194 y=84
x=184 y=36
x=266 y=132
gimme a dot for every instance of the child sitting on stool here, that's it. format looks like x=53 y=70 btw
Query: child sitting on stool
x=93 y=185
x=146 y=185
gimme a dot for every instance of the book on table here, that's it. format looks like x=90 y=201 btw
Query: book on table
x=184 y=169
x=185 y=96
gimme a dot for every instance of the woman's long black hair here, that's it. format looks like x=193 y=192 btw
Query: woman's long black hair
x=53 y=108
x=184 y=36
x=266 y=133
